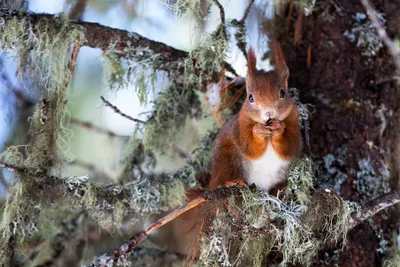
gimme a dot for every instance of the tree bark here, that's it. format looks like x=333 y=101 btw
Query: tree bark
x=347 y=90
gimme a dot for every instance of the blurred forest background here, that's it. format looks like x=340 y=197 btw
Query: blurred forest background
x=100 y=128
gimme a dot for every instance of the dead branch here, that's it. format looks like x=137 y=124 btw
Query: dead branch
x=373 y=207
x=246 y=12
x=102 y=37
x=95 y=128
x=240 y=34
x=393 y=48
x=222 y=15
x=135 y=240
x=116 y=110
x=367 y=211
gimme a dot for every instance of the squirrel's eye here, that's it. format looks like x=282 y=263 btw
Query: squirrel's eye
x=282 y=93
x=251 y=98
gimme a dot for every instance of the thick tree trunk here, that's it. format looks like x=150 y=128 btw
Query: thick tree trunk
x=349 y=92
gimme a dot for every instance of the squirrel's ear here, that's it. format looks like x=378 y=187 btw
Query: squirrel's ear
x=280 y=64
x=251 y=62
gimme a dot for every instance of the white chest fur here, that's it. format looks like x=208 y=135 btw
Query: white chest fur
x=266 y=171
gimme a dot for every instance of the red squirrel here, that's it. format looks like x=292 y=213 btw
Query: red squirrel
x=255 y=146
x=258 y=144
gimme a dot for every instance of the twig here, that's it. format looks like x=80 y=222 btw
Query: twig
x=135 y=240
x=393 y=49
x=94 y=128
x=246 y=12
x=116 y=110
x=221 y=11
x=240 y=34
x=367 y=211
x=222 y=15
x=373 y=207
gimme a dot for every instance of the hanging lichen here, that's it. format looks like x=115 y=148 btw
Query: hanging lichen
x=44 y=51
x=171 y=109
x=132 y=66
x=186 y=7
x=206 y=61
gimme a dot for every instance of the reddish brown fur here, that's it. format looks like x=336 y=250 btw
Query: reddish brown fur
x=246 y=134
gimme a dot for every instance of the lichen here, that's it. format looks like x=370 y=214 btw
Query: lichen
x=44 y=52
x=171 y=109
x=330 y=169
x=300 y=181
x=131 y=66
x=393 y=259
x=186 y=7
x=369 y=182
x=364 y=34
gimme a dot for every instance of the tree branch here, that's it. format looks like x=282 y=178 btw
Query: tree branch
x=367 y=211
x=135 y=240
x=393 y=48
x=116 y=110
x=92 y=127
x=373 y=207
x=246 y=12
x=100 y=36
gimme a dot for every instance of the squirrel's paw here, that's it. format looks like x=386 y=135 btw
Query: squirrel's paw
x=236 y=182
x=274 y=126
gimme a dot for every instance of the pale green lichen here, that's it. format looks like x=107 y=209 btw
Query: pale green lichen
x=300 y=180
x=393 y=259
x=296 y=224
x=186 y=7
x=43 y=50
x=137 y=67
x=171 y=109
x=206 y=61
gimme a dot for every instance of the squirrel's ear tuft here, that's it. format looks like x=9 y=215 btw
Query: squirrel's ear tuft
x=280 y=64
x=251 y=62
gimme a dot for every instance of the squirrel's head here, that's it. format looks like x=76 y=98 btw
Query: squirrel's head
x=267 y=92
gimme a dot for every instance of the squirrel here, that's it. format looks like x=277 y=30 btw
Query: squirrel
x=255 y=146
x=258 y=144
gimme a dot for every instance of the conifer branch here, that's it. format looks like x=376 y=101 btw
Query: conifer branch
x=367 y=211
x=116 y=110
x=106 y=38
x=134 y=241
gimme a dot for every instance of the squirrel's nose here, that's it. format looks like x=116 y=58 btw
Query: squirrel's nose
x=269 y=114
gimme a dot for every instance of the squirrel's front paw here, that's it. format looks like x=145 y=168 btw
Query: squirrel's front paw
x=274 y=126
x=260 y=131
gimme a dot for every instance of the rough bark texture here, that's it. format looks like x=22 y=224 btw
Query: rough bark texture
x=100 y=36
x=338 y=77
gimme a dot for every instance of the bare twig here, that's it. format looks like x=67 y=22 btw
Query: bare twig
x=108 y=104
x=240 y=34
x=246 y=12
x=373 y=207
x=393 y=48
x=94 y=128
x=135 y=240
